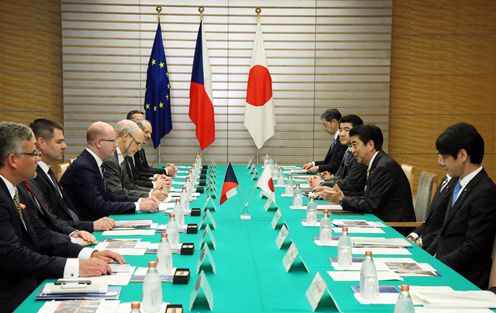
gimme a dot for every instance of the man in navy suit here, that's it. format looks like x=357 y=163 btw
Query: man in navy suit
x=84 y=182
x=425 y=233
x=387 y=193
x=330 y=120
x=50 y=142
x=29 y=250
x=466 y=237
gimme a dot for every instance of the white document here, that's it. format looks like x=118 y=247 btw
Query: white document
x=114 y=279
x=383 y=298
x=130 y=232
x=376 y=251
x=479 y=299
x=355 y=275
x=333 y=243
x=451 y=310
x=304 y=223
x=356 y=266
x=125 y=307
x=164 y=206
x=303 y=207
x=138 y=249
x=380 y=241
x=163 y=228
x=335 y=207
x=101 y=306
x=359 y=230
x=357 y=223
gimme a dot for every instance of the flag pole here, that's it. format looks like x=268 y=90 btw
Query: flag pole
x=158 y=8
x=258 y=11
x=245 y=214
x=201 y=10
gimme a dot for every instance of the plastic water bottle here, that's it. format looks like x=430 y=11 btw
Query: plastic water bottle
x=311 y=212
x=280 y=177
x=325 y=229
x=164 y=256
x=184 y=200
x=274 y=171
x=179 y=214
x=344 y=249
x=404 y=303
x=369 y=283
x=135 y=307
x=152 y=289
x=173 y=232
x=297 y=197
x=289 y=186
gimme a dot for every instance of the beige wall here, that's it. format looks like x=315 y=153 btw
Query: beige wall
x=30 y=60
x=443 y=71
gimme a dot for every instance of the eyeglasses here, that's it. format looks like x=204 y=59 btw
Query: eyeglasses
x=35 y=153
x=108 y=140
x=137 y=142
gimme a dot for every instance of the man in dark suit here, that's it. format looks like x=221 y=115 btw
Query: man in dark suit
x=29 y=251
x=50 y=142
x=351 y=175
x=84 y=183
x=387 y=193
x=425 y=233
x=129 y=140
x=330 y=120
x=466 y=238
x=139 y=160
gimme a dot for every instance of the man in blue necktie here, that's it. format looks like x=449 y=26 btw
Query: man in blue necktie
x=465 y=240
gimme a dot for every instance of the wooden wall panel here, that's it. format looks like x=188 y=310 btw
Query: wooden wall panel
x=30 y=60
x=321 y=54
x=443 y=71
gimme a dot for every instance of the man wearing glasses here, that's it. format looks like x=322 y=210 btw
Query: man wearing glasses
x=85 y=184
x=129 y=141
x=30 y=251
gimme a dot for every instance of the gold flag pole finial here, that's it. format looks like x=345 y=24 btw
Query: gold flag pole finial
x=201 y=10
x=258 y=11
x=159 y=10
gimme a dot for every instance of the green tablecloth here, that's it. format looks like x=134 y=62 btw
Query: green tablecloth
x=250 y=276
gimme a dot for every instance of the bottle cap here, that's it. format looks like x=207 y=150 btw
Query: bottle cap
x=135 y=305
x=177 y=200
x=368 y=253
x=172 y=215
x=326 y=211
x=164 y=235
x=345 y=229
x=152 y=264
x=405 y=288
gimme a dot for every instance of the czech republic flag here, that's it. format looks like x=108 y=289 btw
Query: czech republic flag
x=201 y=109
x=230 y=183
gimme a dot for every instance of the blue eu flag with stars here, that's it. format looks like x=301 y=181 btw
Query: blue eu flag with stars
x=157 y=94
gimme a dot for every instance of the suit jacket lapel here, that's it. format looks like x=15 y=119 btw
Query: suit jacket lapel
x=463 y=195
x=372 y=168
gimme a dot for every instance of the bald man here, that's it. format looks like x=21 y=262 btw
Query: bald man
x=84 y=180
x=129 y=141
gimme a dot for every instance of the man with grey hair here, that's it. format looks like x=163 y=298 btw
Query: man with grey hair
x=84 y=180
x=129 y=140
x=30 y=251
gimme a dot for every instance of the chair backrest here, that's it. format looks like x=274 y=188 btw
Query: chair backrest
x=61 y=169
x=424 y=195
x=408 y=169
x=492 y=276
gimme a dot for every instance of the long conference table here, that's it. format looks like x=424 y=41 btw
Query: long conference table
x=250 y=276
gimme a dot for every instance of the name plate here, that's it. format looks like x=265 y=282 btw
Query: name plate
x=207 y=219
x=250 y=162
x=275 y=220
x=267 y=204
x=202 y=264
x=289 y=259
x=281 y=237
x=203 y=285
x=209 y=204
x=316 y=291
x=254 y=174
x=208 y=238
